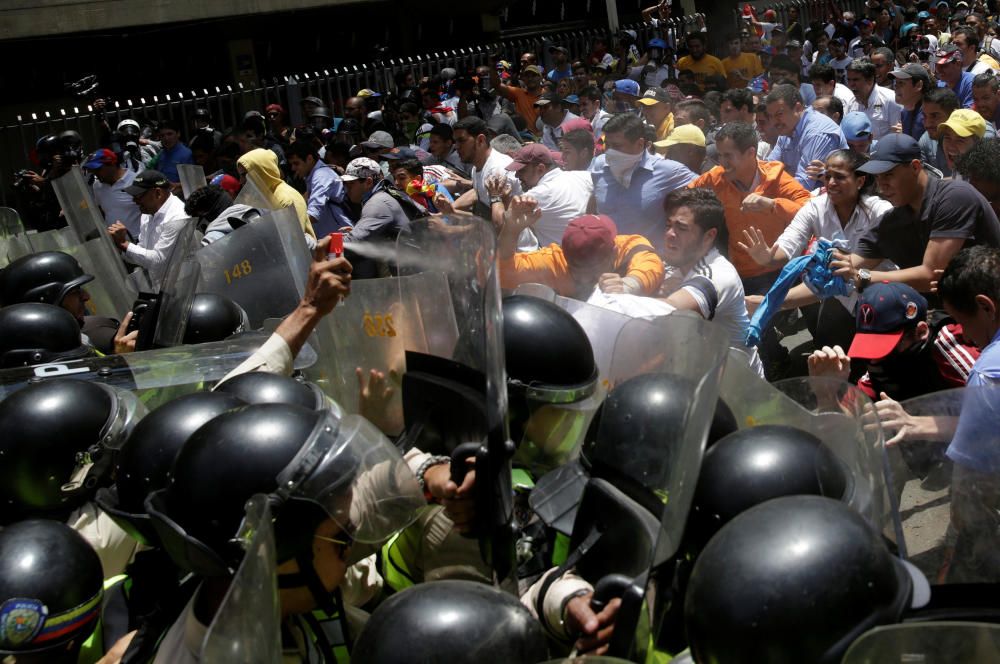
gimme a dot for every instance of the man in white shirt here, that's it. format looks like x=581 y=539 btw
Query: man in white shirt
x=487 y=164
x=967 y=41
x=590 y=109
x=699 y=278
x=162 y=219
x=552 y=113
x=825 y=84
x=878 y=103
x=109 y=189
x=562 y=196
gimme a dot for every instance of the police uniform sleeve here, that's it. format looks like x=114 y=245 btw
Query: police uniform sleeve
x=553 y=604
x=274 y=357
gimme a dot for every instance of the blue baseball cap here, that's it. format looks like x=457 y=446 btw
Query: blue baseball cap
x=627 y=86
x=856 y=126
x=891 y=151
x=885 y=311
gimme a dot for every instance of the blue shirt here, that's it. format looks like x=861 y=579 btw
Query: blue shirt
x=976 y=443
x=325 y=203
x=638 y=210
x=556 y=75
x=808 y=93
x=913 y=122
x=964 y=89
x=167 y=160
x=815 y=137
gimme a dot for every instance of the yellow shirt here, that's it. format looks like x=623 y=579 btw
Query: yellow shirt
x=742 y=69
x=709 y=65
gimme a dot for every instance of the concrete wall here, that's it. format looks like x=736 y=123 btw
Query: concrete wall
x=34 y=18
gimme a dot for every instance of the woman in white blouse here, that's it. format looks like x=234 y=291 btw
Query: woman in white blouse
x=847 y=211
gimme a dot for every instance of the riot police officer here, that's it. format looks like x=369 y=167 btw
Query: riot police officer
x=214 y=317
x=35 y=333
x=330 y=483
x=50 y=592
x=54 y=277
x=57 y=439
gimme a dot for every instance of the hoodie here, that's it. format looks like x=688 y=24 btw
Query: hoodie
x=262 y=166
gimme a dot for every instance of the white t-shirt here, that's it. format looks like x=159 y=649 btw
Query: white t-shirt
x=562 y=197
x=117 y=205
x=497 y=163
x=881 y=108
x=840 y=67
x=718 y=290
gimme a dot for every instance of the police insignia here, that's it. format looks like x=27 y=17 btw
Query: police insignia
x=20 y=620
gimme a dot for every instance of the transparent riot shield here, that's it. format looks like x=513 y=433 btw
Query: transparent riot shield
x=454 y=388
x=180 y=282
x=166 y=371
x=247 y=625
x=644 y=461
x=252 y=194
x=372 y=330
x=10 y=222
x=109 y=294
x=54 y=240
x=83 y=215
x=262 y=266
x=927 y=643
x=833 y=411
x=192 y=178
x=947 y=475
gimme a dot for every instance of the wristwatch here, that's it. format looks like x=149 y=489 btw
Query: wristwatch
x=863 y=279
x=496 y=199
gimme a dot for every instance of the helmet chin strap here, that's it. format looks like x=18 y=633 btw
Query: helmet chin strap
x=307 y=577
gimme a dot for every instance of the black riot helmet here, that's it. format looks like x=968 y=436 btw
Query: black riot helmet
x=813 y=577
x=306 y=463
x=259 y=387
x=36 y=333
x=550 y=365
x=143 y=463
x=451 y=621
x=51 y=587
x=71 y=144
x=619 y=447
x=214 y=318
x=751 y=466
x=56 y=443
x=43 y=277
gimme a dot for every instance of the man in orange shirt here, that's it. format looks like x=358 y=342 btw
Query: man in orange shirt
x=753 y=192
x=592 y=255
x=524 y=98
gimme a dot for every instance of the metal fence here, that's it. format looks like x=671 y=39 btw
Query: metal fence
x=228 y=103
x=809 y=11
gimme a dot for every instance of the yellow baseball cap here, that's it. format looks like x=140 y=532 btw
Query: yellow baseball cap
x=688 y=133
x=965 y=122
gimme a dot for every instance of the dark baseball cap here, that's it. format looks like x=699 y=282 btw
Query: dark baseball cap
x=147 y=180
x=885 y=311
x=532 y=153
x=891 y=151
x=912 y=70
x=548 y=98
x=655 y=95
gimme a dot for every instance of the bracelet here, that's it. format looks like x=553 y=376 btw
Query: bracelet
x=422 y=470
x=496 y=199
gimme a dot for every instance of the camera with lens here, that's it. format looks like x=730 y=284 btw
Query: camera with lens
x=22 y=179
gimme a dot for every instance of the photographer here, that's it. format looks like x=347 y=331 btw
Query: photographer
x=36 y=200
x=476 y=96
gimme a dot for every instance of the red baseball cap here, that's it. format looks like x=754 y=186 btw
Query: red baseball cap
x=885 y=311
x=589 y=237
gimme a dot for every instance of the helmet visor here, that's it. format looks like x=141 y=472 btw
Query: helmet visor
x=555 y=420
x=351 y=470
x=126 y=411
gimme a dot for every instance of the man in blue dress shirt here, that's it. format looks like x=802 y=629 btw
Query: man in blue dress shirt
x=804 y=135
x=630 y=183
